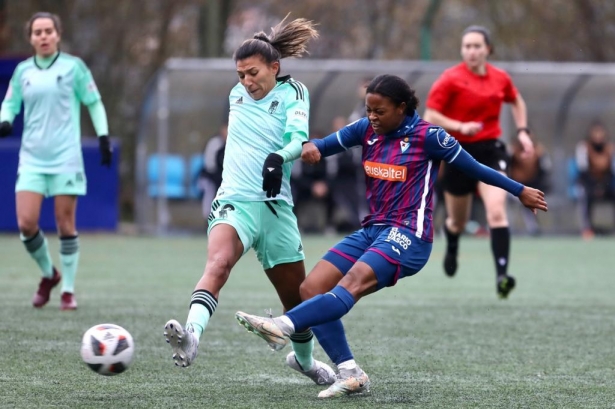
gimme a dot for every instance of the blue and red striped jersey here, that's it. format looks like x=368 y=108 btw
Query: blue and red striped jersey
x=400 y=168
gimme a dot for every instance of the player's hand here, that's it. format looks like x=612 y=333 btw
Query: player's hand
x=5 y=129
x=272 y=174
x=310 y=154
x=105 y=150
x=526 y=144
x=470 y=128
x=533 y=199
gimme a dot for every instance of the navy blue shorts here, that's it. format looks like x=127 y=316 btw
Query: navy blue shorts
x=392 y=252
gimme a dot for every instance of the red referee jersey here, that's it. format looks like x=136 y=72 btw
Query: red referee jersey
x=465 y=96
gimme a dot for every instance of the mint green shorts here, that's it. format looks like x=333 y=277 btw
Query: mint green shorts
x=270 y=228
x=70 y=184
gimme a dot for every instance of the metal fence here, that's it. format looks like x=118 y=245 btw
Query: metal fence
x=188 y=101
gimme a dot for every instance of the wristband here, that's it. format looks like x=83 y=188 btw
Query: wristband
x=519 y=130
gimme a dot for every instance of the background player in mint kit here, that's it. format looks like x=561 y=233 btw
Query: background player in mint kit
x=401 y=157
x=466 y=101
x=268 y=122
x=52 y=85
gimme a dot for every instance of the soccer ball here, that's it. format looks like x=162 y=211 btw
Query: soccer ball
x=107 y=349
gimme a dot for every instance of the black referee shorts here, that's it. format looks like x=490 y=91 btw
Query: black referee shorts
x=491 y=153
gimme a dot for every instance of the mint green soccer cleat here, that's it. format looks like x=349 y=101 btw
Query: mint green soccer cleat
x=320 y=373
x=265 y=328
x=348 y=382
x=184 y=342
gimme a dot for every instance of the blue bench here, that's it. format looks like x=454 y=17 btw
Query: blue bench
x=172 y=182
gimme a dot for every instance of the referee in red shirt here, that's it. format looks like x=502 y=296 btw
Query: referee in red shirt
x=466 y=101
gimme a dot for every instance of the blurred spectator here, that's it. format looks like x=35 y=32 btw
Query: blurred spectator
x=211 y=174
x=596 y=163
x=312 y=195
x=345 y=172
x=532 y=170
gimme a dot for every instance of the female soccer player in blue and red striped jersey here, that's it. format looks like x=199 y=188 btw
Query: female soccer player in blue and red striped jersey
x=401 y=157
x=466 y=101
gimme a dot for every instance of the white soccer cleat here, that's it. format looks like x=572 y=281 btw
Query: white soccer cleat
x=348 y=383
x=184 y=342
x=320 y=373
x=264 y=328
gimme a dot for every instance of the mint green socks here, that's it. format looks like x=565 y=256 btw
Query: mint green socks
x=69 y=258
x=39 y=250
x=303 y=345
x=202 y=307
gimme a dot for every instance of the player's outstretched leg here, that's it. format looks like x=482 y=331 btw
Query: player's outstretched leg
x=351 y=379
x=273 y=330
x=320 y=373
x=183 y=341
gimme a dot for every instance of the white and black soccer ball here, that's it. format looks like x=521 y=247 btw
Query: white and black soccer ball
x=107 y=349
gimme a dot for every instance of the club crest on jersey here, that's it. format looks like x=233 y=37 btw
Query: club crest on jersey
x=273 y=107
x=220 y=213
x=404 y=144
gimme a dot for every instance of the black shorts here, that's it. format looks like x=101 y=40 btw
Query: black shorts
x=491 y=153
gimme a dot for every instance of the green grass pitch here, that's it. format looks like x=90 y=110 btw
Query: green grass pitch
x=429 y=342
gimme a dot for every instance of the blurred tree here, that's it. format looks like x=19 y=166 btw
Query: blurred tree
x=213 y=15
x=125 y=42
x=551 y=30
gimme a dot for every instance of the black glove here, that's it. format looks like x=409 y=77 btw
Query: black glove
x=105 y=150
x=5 y=129
x=272 y=174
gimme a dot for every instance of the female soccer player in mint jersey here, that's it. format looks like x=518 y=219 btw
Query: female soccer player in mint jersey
x=268 y=122
x=466 y=101
x=52 y=85
x=401 y=157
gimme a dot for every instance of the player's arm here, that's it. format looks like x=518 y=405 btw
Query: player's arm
x=87 y=93
x=297 y=122
x=296 y=131
x=344 y=139
x=441 y=145
x=11 y=105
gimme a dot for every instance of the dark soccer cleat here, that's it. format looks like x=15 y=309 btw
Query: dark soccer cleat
x=450 y=264
x=68 y=302
x=505 y=284
x=41 y=297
